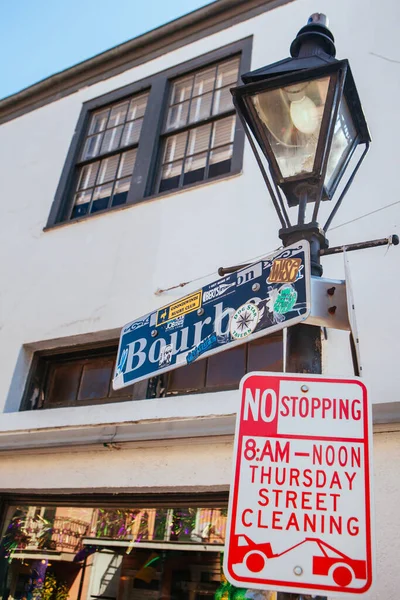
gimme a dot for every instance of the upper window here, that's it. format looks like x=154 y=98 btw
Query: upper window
x=168 y=131
x=200 y=127
x=108 y=157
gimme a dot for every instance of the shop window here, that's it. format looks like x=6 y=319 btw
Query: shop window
x=112 y=553
x=168 y=551
x=79 y=378
x=170 y=130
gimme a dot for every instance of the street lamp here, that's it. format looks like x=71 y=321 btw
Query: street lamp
x=305 y=116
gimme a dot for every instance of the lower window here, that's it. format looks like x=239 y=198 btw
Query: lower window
x=224 y=371
x=136 y=553
x=169 y=551
x=83 y=377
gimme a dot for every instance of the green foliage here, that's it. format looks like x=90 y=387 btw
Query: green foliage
x=51 y=589
x=62 y=591
x=22 y=530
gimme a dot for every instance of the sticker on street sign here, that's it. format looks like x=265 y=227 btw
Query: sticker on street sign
x=259 y=299
x=300 y=502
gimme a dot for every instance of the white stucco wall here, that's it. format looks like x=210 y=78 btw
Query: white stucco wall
x=96 y=275
x=85 y=280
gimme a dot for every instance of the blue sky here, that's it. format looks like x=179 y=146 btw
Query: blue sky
x=41 y=37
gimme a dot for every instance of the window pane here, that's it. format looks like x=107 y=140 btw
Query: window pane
x=204 y=82
x=222 y=101
x=265 y=354
x=99 y=121
x=175 y=147
x=117 y=115
x=183 y=526
x=170 y=176
x=101 y=197
x=172 y=169
x=188 y=378
x=228 y=73
x=177 y=115
x=121 y=191
x=131 y=132
x=221 y=154
x=223 y=132
x=199 y=139
x=92 y=146
x=181 y=90
x=63 y=383
x=96 y=377
x=227 y=368
x=80 y=210
x=127 y=163
x=200 y=108
x=108 y=169
x=220 y=161
x=88 y=175
x=81 y=205
x=125 y=392
x=83 y=197
x=137 y=107
x=112 y=138
x=195 y=168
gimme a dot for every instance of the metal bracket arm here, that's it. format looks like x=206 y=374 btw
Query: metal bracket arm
x=392 y=240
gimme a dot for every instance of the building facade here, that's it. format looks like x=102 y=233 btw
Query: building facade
x=125 y=183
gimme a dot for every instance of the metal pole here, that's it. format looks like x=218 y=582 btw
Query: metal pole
x=303 y=342
x=82 y=578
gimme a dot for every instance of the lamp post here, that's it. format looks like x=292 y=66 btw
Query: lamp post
x=303 y=114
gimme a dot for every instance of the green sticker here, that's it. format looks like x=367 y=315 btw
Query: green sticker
x=285 y=301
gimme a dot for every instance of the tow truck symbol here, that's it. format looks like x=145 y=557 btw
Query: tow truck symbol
x=326 y=560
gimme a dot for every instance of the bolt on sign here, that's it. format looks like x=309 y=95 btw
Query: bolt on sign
x=300 y=503
x=259 y=299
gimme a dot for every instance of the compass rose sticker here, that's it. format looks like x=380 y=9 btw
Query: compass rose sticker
x=244 y=321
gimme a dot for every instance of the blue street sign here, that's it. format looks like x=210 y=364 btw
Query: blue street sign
x=269 y=295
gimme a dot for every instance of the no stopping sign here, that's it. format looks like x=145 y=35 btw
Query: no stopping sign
x=300 y=503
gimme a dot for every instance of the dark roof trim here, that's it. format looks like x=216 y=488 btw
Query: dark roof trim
x=187 y=29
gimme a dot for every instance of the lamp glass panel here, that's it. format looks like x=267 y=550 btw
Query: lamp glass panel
x=343 y=138
x=291 y=117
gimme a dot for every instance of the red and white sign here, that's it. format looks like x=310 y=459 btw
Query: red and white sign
x=300 y=502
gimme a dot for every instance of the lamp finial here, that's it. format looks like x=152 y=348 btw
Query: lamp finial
x=314 y=38
x=319 y=18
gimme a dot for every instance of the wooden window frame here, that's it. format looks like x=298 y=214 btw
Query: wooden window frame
x=144 y=173
x=159 y=386
x=210 y=389
x=100 y=158
x=40 y=372
x=192 y=126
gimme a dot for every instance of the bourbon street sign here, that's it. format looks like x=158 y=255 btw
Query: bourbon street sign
x=300 y=503
x=269 y=295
